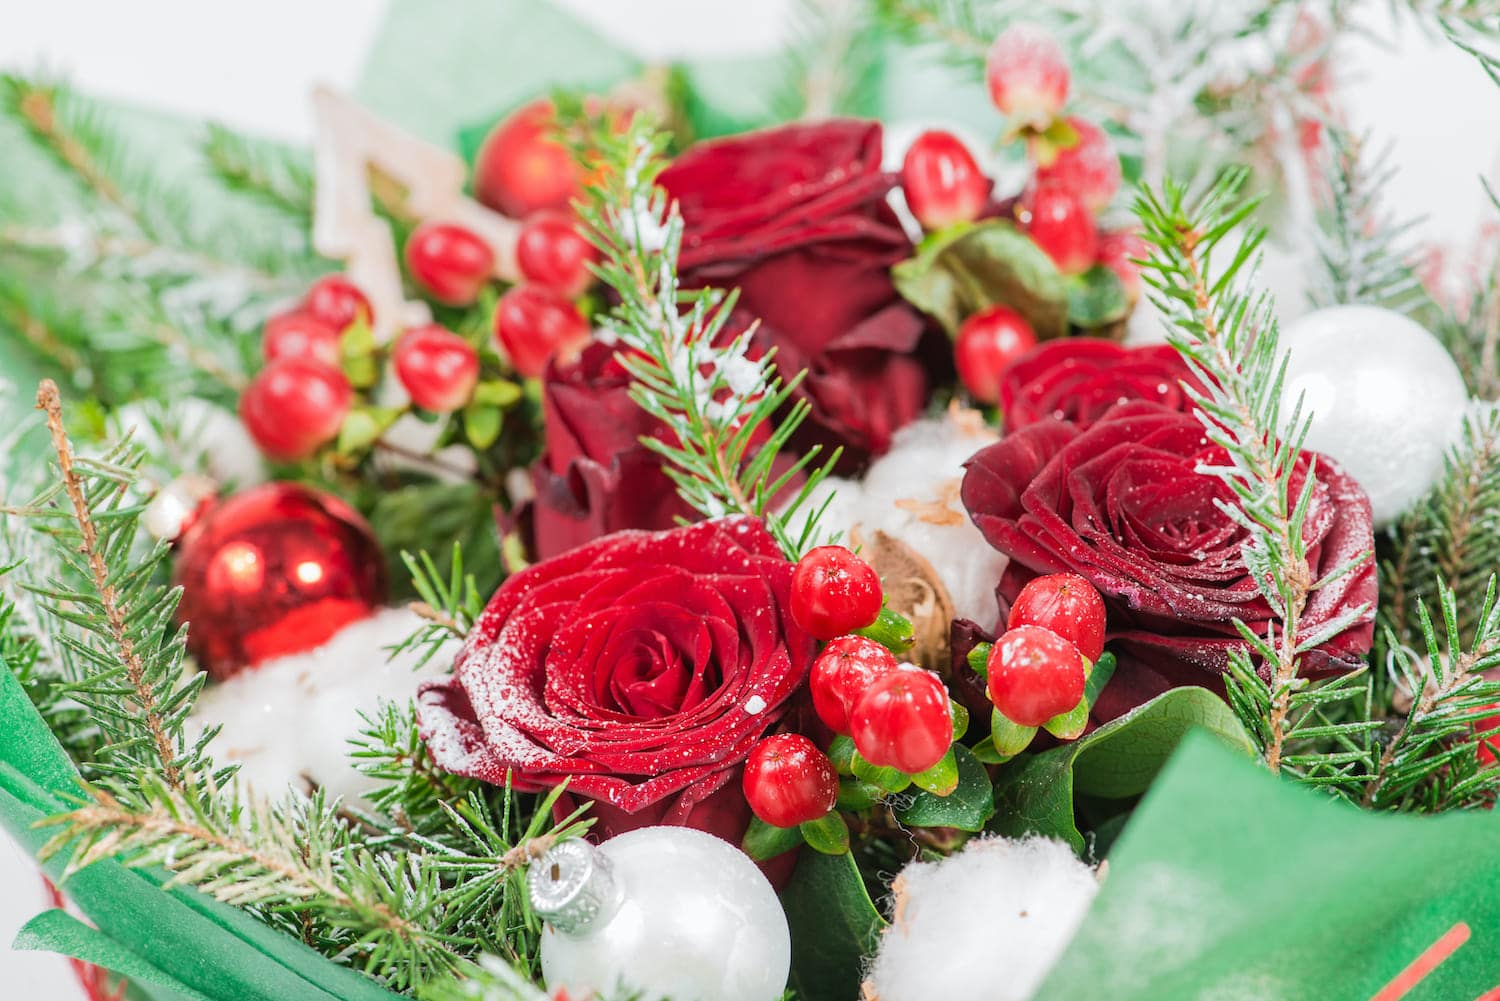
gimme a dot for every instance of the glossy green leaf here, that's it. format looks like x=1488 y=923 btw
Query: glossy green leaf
x=941 y=778
x=970 y=267
x=482 y=423
x=889 y=779
x=763 y=840
x=968 y=807
x=1035 y=793
x=828 y=834
x=834 y=926
x=500 y=393
x=363 y=426
x=1096 y=299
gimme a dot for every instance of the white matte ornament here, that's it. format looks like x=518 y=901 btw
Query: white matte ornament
x=1386 y=399
x=664 y=911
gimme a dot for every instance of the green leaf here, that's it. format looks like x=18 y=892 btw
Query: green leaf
x=891 y=630
x=1228 y=882
x=763 y=840
x=363 y=426
x=889 y=779
x=856 y=796
x=1117 y=761
x=968 y=807
x=1099 y=675
x=482 y=423
x=1008 y=738
x=358 y=354
x=941 y=778
x=964 y=269
x=841 y=752
x=828 y=834
x=500 y=393
x=1096 y=299
x=1071 y=724
x=834 y=927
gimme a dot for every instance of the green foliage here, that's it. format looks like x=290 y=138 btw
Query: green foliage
x=728 y=413
x=832 y=67
x=834 y=926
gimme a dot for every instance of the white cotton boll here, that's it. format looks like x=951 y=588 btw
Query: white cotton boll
x=911 y=494
x=288 y=721
x=986 y=924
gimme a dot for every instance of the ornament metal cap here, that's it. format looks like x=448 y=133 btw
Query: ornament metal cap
x=573 y=887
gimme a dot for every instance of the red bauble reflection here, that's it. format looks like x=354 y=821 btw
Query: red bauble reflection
x=272 y=571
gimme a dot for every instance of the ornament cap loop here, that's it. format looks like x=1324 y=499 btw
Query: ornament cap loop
x=573 y=887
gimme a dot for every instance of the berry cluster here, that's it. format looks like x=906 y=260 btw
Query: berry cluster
x=1037 y=671
x=319 y=356
x=1075 y=176
x=898 y=717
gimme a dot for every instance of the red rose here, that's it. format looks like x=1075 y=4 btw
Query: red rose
x=639 y=669
x=1077 y=379
x=796 y=219
x=595 y=476
x=1123 y=504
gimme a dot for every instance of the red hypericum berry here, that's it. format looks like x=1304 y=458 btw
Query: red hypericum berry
x=903 y=721
x=294 y=406
x=1489 y=749
x=987 y=343
x=533 y=323
x=840 y=675
x=1027 y=74
x=1089 y=169
x=450 y=262
x=1062 y=227
x=521 y=167
x=1034 y=675
x=788 y=781
x=834 y=592
x=1066 y=604
x=337 y=301
x=1118 y=251
x=299 y=334
x=943 y=184
x=552 y=252
x=438 y=368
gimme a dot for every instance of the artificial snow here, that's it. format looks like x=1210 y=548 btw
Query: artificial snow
x=288 y=722
x=912 y=494
x=986 y=924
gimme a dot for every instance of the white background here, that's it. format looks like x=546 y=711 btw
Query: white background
x=252 y=65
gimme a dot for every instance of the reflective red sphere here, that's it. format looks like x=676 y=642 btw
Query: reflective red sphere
x=275 y=570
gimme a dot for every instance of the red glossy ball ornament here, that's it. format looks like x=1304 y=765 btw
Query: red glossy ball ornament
x=986 y=344
x=551 y=251
x=272 y=571
x=1066 y=604
x=338 y=302
x=450 y=262
x=903 y=721
x=834 y=592
x=788 y=781
x=521 y=168
x=438 y=368
x=1034 y=675
x=533 y=323
x=942 y=183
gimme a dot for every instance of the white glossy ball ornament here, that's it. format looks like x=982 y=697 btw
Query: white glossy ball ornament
x=664 y=911
x=1387 y=400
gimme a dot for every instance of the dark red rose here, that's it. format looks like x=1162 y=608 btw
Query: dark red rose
x=639 y=669
x=1077 y=379
x=595 y=476
x=796 y=218
x=1123 y=504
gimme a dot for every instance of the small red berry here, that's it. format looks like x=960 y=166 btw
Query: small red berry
x=337 y=301
x=834 y=592
x=533 y=323
x=299 y=334
x=438 y=368
x=1066 y=604
x=846 y=667
x=294 y=406
x=788 y=781
x=1062 y=227
x=987 y=343
x=1119 y=250
x=521 y=168
x=1089 y=169
x=551 y=251
x=1027 y=74
x=943 y=184
x=903 y=721
x=1034 y=675
x=450 y=262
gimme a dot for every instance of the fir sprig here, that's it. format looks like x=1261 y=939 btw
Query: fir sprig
x=725 y=412
x=1229 y=338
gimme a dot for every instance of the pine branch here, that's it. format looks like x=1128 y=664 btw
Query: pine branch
x=449 y=608
x=272 y=177
x=717 y=400
x=829 y=70
x=1229 y=338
